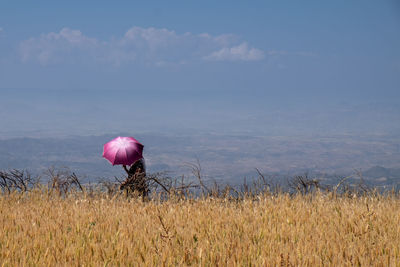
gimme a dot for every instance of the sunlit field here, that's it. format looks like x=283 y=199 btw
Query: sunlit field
x=43 y=229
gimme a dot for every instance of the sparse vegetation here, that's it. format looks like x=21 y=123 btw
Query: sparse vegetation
x=78 y=225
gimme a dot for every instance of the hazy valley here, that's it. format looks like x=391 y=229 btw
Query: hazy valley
x=225 y=158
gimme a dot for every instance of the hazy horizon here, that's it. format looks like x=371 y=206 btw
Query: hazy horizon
x=265 y=67
x=63 y=113
x=293 y=85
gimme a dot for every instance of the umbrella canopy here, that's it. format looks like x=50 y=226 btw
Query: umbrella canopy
x=123 y=151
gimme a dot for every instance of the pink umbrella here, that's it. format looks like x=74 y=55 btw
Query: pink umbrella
x=123 y=150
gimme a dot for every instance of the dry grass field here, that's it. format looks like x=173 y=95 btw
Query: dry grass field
x=41 y=229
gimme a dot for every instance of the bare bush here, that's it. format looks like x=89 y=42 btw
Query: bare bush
x=20 y=180
x=62 y=180
x=196 y=171
x=305 y=185
x=110 y=188
x=348 y=189
x=164 y=186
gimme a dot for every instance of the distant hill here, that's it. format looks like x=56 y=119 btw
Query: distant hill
x=379 y=171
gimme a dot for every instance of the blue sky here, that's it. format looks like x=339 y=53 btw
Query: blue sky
x=193 y=63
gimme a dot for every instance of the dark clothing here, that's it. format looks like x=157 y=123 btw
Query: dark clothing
x=136 y=180
x=138 y=166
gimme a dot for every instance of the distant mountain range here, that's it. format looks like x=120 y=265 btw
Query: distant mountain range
x=379 y=171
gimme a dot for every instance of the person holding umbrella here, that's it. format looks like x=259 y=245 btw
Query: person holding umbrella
x=127 y=151
x=137 y=167
x=136 y=179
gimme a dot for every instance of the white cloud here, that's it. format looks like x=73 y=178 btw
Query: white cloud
x=241 y=52
x=54 y=47
x=152 y=37
x=157 y=46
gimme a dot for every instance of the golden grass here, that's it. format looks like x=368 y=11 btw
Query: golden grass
x=42 y=230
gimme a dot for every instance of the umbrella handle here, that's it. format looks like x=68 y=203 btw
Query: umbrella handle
x=124 y=166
